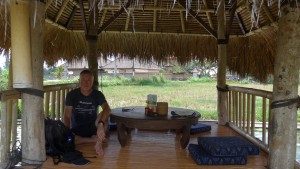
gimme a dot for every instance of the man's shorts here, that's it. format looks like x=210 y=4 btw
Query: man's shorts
x=85 y=131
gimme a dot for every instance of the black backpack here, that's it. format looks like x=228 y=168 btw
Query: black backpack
x=60 y=142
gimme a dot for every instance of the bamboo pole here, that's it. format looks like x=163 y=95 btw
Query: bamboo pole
x=240 y=109
x=58 y=112
x=14 y=121
x=63 y=97
x=234 y=108
x=230 y=106
x=248 y=113
x=222 y=62
x=93 y=61
x=244 y=111
x=53 y=110
x=253 y=109
x=92 y=40
x=46 y=103
x=9 y=122
x=264 y=120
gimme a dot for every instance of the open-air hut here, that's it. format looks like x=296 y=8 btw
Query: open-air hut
x=251 y=38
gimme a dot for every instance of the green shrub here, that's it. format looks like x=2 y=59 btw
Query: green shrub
x=4 y=80
x=245 y=81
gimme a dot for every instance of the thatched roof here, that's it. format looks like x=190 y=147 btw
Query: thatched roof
x=160 y=29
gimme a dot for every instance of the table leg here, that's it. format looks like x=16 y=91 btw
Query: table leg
x=185 y=138
x=122 y=136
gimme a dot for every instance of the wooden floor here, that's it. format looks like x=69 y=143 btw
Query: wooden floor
x=154 y=150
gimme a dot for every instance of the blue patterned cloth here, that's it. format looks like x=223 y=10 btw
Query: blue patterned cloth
x=199 y=128
x=227 y=146
x=201 y=157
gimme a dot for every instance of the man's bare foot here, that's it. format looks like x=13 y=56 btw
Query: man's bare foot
x=99 y=149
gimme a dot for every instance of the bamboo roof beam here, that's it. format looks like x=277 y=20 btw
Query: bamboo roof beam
x=127 y=21
x=154 y=16
x=103 y=17
x=267 y=11
x=61 y=10
x=182 y=22
x=93 y=22
x=199 y=20
x=240 y=22
x=114 y=17
x=272 y=25
x=56 y=24
x=48 y=4
x=208 y=15
x=71 y=17
x=83 y=17
x=159 y=8
x=75 y=3
x=232 y=13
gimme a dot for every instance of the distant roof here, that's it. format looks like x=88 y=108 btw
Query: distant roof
x=110 y=64
x=127 y=63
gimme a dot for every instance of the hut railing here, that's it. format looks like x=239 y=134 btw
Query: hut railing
x=9 y=113
x=248 y=113
x=54 y=98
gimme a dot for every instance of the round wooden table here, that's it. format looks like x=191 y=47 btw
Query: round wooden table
x=134 y=117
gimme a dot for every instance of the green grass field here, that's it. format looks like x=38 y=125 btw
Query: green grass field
x=199 y=96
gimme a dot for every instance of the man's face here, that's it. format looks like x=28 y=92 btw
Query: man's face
x=86 y=82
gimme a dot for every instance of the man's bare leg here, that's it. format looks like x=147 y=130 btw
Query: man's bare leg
x=94 y=139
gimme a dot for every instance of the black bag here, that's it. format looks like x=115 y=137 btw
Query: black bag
x=60 y=143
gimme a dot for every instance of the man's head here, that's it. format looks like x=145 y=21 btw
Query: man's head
x=86 y=80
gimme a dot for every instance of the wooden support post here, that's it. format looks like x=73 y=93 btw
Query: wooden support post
x=3 y=144
x=20 y=44
x=33 y=133
x=92 y=39
x=93 y=60
x=283 y=119
x=222 y=62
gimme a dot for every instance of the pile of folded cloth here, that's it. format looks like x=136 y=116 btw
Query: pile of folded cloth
x=229 y=150
x=199 y=128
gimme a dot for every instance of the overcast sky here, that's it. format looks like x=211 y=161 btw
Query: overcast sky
x=2 y=60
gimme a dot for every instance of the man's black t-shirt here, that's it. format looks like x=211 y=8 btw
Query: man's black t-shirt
x=84 y=111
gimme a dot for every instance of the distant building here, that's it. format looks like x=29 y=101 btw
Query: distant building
x=126 y=67
x=123 y=66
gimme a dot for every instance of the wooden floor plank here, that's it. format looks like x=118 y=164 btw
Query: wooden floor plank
x=154 y=150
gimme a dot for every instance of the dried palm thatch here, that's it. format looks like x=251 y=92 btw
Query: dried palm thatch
x=253 y=55
x=250 y=55
x=4 y=31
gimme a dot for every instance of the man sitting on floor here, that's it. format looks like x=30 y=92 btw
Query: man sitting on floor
x=81 y=113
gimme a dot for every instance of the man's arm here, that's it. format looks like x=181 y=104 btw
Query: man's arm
x=104 y=115
x=67 y=116
x=102 y=121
